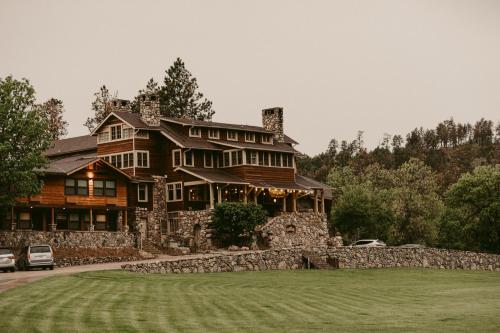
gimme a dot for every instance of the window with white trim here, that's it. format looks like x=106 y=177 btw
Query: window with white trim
x=142 y=192
x=103 y=137
x=264 y=158
x=249 y=137
x=174 y=191
x=226 y=159
x=213 y=133
x=116 y=160
x=266 y=138
x=127 y=132
x=209 y=159
x=142 y=159
x=116 y=132
x=232 y=135
x=176 y=157
x=252 y=157
x=195 y=132
x=128 y=160
x=188 y=158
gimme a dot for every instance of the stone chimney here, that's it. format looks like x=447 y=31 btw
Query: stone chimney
x=272 y=120
x=149 y=108
x=119 y=105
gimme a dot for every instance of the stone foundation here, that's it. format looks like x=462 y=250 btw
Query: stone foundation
x=306 y=230
x=87 y=239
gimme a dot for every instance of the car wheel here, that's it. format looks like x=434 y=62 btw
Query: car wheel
x=12 y=269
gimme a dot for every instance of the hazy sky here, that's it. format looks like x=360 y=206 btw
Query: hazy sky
x=335 y=66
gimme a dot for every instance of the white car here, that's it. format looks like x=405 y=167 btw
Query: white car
x=36 y=256
x=368 y=243
x=7 y=261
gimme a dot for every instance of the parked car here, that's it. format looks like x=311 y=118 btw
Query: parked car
x=413 y=246
x=7 y=261
x=368 y=243
x=36 y=256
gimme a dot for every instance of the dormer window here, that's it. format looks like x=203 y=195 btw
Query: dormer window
x=195 y=132
x=213 y=133
x=249 y=137
x=232 y=135
x=116 y=132
x=267 y=139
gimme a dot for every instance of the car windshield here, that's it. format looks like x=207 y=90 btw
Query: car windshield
x=39 y=249
x=5 y=251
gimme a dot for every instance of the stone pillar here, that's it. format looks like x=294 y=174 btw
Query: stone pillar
x=316 y=201
x=211 y=186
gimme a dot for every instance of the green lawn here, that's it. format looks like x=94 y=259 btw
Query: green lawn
x=385 y=300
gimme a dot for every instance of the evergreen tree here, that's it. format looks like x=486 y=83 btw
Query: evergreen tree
x=24 y=136
x=180 y=98
x=101 y=107
x=52 y=111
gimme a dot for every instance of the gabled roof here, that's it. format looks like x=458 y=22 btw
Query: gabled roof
x=130 y=118
x=313 y=185
x=72 y=145
x=185 y=141
x=69 y=165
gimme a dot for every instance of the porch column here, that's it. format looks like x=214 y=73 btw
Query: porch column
x=245 y=194
x=211 y=186
x=12 y=220
x=125 y=220
x=255 y=195
x=294 y=201
x=219 y=194
x=284 y=202
x=316 y=201
x=52 y=220
x=91 y=228
x=323 y=201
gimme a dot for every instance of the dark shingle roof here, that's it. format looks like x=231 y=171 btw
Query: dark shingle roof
x=313 y=184
x=65 y=166
x=72 y=145
x=186 y=141
x=134 y=119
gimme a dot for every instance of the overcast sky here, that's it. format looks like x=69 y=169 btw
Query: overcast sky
x=335 y=66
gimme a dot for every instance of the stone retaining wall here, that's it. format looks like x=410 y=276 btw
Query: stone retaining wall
x=87 y=239
x=370 y=257
x=347 y=258
x=66 y=262
x=237 y=262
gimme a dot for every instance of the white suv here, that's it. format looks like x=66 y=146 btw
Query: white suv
x=36 y=256
x=368 y=243
x=7 y=261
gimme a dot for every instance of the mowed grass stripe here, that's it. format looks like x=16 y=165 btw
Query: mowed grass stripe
x=389 y=300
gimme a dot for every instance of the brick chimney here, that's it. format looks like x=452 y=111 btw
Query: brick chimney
x=272 y=120
x=149 y=108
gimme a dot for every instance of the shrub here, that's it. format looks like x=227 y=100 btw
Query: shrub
x=234 y=222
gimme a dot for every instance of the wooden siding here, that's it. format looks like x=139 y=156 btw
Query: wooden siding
x=259 y=174
x=114 y=147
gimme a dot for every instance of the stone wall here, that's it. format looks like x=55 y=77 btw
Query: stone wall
x=370 y=257
x=272 y=120
x=187 y=222
x=306 y=230
x=237 y=262
x=88 y=239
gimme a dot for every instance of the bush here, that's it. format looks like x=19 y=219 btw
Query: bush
x=234 y=222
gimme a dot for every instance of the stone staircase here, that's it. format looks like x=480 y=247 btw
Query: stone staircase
x=313 y=260
x=149 y=247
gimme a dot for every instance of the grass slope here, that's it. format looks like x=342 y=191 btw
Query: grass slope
x=388 y=300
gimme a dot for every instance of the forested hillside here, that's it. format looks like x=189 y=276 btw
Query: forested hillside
x=436 y=186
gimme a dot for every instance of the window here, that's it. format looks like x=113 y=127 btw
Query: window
x=106 y=158
x=128 y=160
x=226 y=161
x=24 y=220
x=213 y=133
x=195 y=132
x=105 y=188
x=76 y=187
x=116 y=160
x=116 y=132
x=142 y=192
x=232 y=135
x=174 y=191
x=249 y=137
x=265 y=138
x=62 y=221
x=251 y=157
x=100 y=222
x=188 y=158
x=209 y=160
x=273 y=159
x=264 y=158
x=143 y=159
x=142 y=135
x=287 y=160
x=103 y=137
x=277 y=157
x=127 y=133
x=176 y=157
x=74 y=222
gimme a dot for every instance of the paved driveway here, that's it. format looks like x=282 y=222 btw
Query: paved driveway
x=11 y=280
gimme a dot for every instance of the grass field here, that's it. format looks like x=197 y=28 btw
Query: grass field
x=388 y=300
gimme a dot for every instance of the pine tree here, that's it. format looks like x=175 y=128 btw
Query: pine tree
x=100 y=107
x=52 y=111
x=179 y=97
